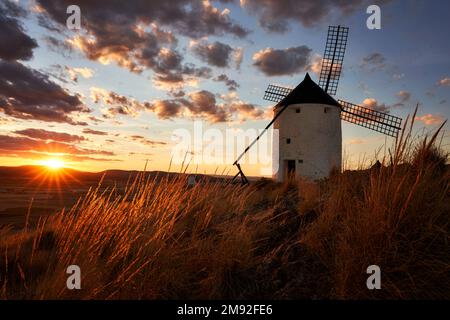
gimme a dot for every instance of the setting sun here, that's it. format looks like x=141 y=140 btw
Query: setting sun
x=53 y=164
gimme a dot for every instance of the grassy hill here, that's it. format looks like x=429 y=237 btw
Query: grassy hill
x=162 y=239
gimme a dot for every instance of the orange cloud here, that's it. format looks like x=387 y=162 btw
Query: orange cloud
x=75 y=72
x=25 y=147
x=373 y=104
x=355 y=141
x=444 y=82
x=430 y=119
x=46 y=135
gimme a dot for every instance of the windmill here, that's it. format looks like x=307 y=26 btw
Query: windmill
x=309 y=119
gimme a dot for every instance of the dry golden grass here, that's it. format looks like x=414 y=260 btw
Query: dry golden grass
x=397 y=217
x=162 y=239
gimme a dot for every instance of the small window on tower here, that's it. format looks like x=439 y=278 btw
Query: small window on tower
x=300 y=161
x=288 y=140
x=326 y=110
x=297 y=110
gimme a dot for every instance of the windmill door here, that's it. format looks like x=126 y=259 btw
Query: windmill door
x=290 y=168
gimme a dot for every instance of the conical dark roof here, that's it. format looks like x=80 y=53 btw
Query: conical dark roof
x=308 y=92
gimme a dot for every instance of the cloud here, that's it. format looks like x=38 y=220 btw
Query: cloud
x=74 y=73
x=116 y=104
x=46 y=135
x=95 y=120
x=216 y=54
x=132 y=35
x=77 y=158
x=354 y=141
x=127 y=47
x=374 y=61
x=68 y=74
x=171 y=73
x=29 y=94
x=166 y=109
x=275 y=15
x=247 y=111
x=145 y=141
x=404 y=96
x=203 y=104
x=133 y=49
x=6 y=121
x=44 y=156
x=177 y=93
x=62 y=47
x=398 y=76
x=16 y=44
x=231 y=84
x=279 y=62
x=315 y=65
x=373 y=104
x=430 y=119
x=140 y=154
x=26 y=147
x=26 y=93
x=190 y=18
x=95 y=132
x=444 y=82
x=197 y=104
x=238 y=57
x=13 y=9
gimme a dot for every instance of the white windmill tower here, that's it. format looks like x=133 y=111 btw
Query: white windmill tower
x=309 y=119
x=309 y=134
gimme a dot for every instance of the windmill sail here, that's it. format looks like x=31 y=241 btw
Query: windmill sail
x=353 y=113
x=332 y=62
x=368 y=118
x=333 y=58
x=276 y=93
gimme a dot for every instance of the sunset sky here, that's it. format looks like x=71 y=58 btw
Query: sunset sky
x=111 y=94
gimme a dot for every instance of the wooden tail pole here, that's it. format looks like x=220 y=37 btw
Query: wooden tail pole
x=260 y=135
x=236 y=163
x=244 y=179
